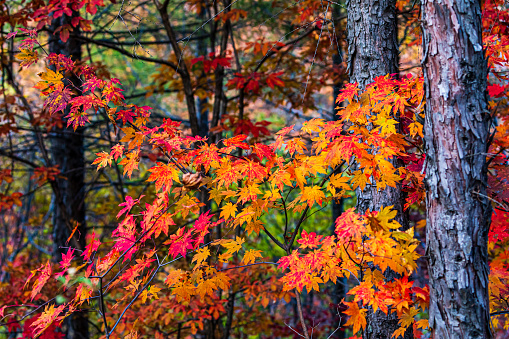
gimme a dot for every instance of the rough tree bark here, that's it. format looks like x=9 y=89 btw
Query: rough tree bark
x=456 y=133
x=67 y=151
x=373 y=51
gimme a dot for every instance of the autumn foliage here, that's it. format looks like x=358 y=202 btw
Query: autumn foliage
x=222 y=227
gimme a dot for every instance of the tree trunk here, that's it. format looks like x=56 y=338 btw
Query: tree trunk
x=340 y=288
x=372 y=52
x=372 y=39
x=456 y=133
x=67 y=151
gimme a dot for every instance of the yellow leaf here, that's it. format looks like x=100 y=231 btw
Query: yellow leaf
x=51 y=76
x=233 y=246
x=201 y=256
x=385 y=216
x=416 y=129
x=27 y=57
x=250 y=256
x=359 y=180
x=313 y=125
x=407 y=318
x=228 y=211
x=423 y=323
x=153 y=291
x=338 y=181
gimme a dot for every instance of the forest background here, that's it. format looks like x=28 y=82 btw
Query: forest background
x=254 y=169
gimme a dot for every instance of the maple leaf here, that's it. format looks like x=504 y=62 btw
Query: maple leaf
x=357 y=316
x=233 y=15
x=206 y=287
x=163 y=175
x=423 y=324
x=183 y=291
x=130 y=162
x=45 y=274
x=103 y=159
x=385 y=215
x=43 y=174
x=180 y=243
x=51 y=77
x=380 y=300
x=363 y=292
x=237 y=141
x=93 y=83
x=201 y=255
x=233 y=246
x=125 y=116
x=249 y=192
x=387 y=125
x=207 y=156
x=132 y=136
x=250 y=256
x=313 y=125
x=250 y=169
x=117 y=151
x=495 y=90
x=274 y=80
x=47 y=317
x=338 y=181
x=91 y=247
x=309 y=240
x=407 y=318
x=66 y=259
x=360 y=179
x=347 y=93
x=150 y=292
x=416 y=129
x=128 y=204
x=174 y=277
x=254 y=226
x=284 y=131
x=112 y=93
x=202 y=225
x=27 y=56
x=313 y=283
x=263 y=151
x=312 y=195
x=77 y=119
x=58 y=100
x=228 y=210
x=349 y=224
x=83 y=293
x=51 y=332
x=11 y=35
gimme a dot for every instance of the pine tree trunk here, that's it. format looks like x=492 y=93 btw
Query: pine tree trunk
x=456 y=134
x=372 y=52
x=67 y=151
